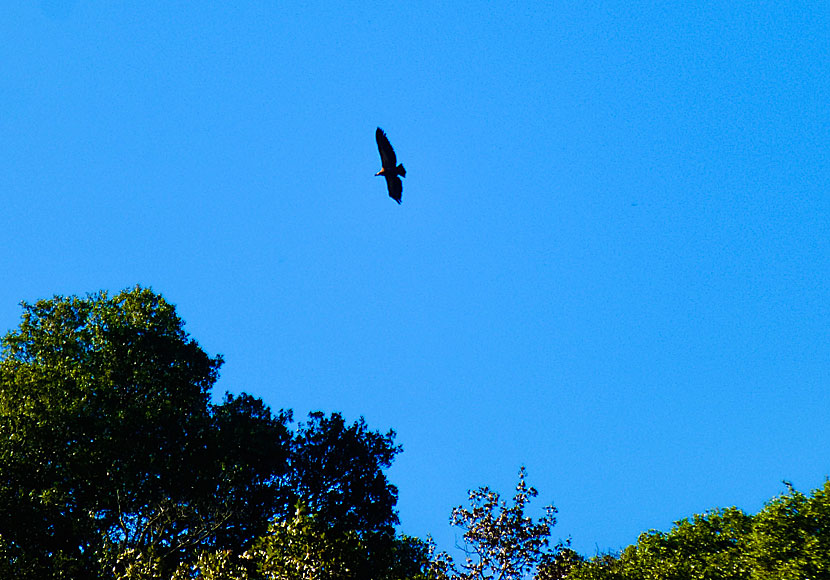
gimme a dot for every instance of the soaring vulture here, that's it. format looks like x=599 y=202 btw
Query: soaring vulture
x=390 y=170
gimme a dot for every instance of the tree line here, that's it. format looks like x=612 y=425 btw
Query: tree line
x=117 y=463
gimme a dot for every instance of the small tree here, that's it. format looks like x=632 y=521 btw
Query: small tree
x=500 y=541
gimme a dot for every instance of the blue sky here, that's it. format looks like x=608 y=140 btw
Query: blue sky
x=610 y=265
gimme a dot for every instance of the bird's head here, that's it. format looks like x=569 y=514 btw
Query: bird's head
x=381 y=172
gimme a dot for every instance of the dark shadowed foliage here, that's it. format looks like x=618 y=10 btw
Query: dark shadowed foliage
x=108 y=439
x=337 y=471
x=114 y=461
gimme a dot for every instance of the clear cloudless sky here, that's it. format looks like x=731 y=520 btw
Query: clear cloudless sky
x=611 y=262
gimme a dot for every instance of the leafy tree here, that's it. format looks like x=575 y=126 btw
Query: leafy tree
x=109 y=442
x=337 y=475
x=789 y=539
x=337 y=472
x=115 y=463
x=251 y=448
x=304 y=546
x=711 y=546
x=215 y=565
x=500 y=541
x=791 y=536
x=558 y=565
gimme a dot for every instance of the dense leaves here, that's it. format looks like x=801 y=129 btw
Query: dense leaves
x=787 y=540
x=791 y=536
x=348 y=487
x=104 y=412
x=115 y=462
x=304 y=546
x=337 y=476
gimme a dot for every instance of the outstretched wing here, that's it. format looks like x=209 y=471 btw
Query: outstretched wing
x=387 y=154
x=395 y=187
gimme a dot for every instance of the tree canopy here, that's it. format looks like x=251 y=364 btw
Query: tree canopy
x=117 y=462
x=788 y=539
x=112 y=452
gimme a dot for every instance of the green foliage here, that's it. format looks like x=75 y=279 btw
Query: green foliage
x=305 y=546
x=710 y=546
x=787 y=540
x=791 y=536
x=500 y=541
x=114 y=462
x=348 y=489
x=109 y=442
x=132 y=564
x=217 y=565
x=103 y=407
x=558 y=565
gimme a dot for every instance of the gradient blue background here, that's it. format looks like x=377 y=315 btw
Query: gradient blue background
x=611 y=262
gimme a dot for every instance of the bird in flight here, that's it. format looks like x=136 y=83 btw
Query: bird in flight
x=389 y=169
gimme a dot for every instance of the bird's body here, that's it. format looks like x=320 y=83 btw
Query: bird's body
x=390 y=169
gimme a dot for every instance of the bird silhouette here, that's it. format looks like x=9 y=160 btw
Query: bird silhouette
x=389 y=169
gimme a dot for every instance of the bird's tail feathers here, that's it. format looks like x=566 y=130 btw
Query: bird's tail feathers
x=401 y=171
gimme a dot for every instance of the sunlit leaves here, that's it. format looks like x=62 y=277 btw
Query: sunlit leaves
x=787 y=540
